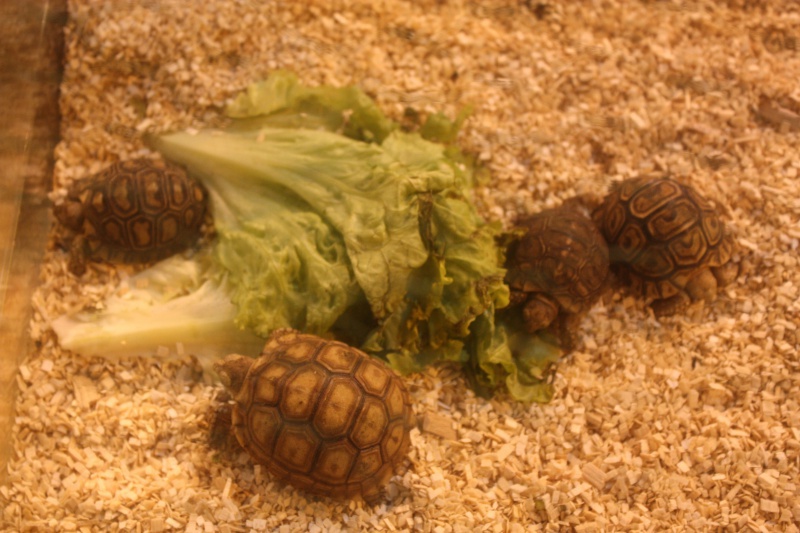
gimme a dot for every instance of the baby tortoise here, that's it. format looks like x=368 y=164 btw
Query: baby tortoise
x=134 y=211
x=557 y=270
x=319 y=414
x=667 y=241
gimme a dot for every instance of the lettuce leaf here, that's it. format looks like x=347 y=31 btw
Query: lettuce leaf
x=281 y=100
x=332 y=220
x=178 y=300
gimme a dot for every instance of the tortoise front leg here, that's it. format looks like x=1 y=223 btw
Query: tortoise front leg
x=565 y=328
x=703 y=286
x=726 y=273
x=670 y=306
x=516 y=297
x=77 y=256
x=539 y=312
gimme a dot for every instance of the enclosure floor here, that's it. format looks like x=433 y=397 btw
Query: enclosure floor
x=683 y=423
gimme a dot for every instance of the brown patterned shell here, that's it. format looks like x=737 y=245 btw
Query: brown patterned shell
x=561 y=254
x=661 y=233
x=135 y=211
x=320 y=415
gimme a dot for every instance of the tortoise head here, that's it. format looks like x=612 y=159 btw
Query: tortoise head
x=69 y=213
x=232 y=370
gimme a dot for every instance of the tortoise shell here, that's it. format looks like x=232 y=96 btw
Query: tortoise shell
x=667 y=240
x=132 y=212
x=319 y=414
x=558 y=266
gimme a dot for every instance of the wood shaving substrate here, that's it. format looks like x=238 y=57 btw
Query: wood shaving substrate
x=686 y=423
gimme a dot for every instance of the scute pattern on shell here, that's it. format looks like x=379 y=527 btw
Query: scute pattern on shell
x=323 y=416
x=561 y=254
x=661 y=234
x=135 y=211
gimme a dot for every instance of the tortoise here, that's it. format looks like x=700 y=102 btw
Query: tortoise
x=319 y=414
x=667 y=241
x=557 y=270
x=133 y=211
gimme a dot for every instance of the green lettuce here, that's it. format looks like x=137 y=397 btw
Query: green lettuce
x=331 y=219
x=179 y=301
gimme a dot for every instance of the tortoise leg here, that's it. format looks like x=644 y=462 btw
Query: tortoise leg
x=516 y=297
x=670 y=306
x=220 y=435
x=539 y=312
x=726 y=273
x=703 y=286
x=373 y=497
x=76 y=259
x=565 y=328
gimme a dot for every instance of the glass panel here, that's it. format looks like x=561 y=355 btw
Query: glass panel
x=31 y=37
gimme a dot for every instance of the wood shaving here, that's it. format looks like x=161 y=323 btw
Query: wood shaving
x=685 y=423
x=439 y=425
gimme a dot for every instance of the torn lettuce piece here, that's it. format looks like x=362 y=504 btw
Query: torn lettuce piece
x=177 y=300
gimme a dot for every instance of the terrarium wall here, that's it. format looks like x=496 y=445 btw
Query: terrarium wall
x=31 y=37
